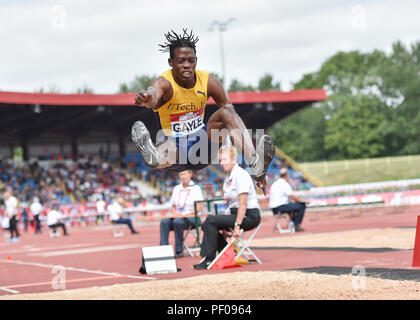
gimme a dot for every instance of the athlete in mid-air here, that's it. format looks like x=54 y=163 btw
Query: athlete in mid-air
x=178 y=98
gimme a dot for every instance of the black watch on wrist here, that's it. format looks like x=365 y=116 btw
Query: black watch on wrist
x=237 y=224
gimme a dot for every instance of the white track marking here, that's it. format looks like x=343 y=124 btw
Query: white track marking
x=85 y=250
x=9 y=290
x=38 y=284
x=37 y=249
x=134 y=277
x=63 y=247
x=50 y=266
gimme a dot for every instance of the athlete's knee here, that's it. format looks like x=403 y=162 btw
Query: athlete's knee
x=228 y=111
x=167 y=153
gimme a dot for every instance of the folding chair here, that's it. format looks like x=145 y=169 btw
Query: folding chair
x=116 y=229
x=290 y=225
x=242 y=245
x=194 y=248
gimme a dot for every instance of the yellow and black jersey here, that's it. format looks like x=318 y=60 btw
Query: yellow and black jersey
x=183 y=114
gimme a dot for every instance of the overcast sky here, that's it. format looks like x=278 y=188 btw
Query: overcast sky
x=98 y=43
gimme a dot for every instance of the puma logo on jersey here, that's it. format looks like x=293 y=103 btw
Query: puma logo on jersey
x=203 y=93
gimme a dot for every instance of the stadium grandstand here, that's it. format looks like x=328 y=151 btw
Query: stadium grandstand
x=73 y=149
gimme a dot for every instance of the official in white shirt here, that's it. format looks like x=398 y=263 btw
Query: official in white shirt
x=36 y=209
x=280 y=195
x=241 y=198
x=117 y=215
x=11 y=204
x=100 y=210
x=55 y=219
x=182 y=200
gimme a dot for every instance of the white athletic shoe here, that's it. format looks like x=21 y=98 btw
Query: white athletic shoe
x=262 y=158
x=141 y=137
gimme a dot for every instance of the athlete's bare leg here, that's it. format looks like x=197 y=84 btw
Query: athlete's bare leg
x=227 y=118
x=167 y=154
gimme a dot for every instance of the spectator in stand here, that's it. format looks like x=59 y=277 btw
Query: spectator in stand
x=281 y=193
x=55 y=220
x=182 y=201
x=11 y=204
x=24 y=215
x=36 y=209
x=83 y=213
x=100 y=210
x=116 y=211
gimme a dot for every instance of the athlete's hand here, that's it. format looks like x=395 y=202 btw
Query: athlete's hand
x=144 y=99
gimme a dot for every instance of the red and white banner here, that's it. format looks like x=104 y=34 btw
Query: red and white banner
x=411 y=197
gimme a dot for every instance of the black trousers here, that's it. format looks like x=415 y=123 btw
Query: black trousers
x=61 y=225
x=37 y=224
x=298 y=207
x=13 y=227
x=213 y=241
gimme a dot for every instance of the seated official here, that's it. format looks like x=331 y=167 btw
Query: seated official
x=117 y=215
x=55 y=220
x=36 y=209
x=241 y=200
x=280 y=196
x=11 y=204
x=182 y=200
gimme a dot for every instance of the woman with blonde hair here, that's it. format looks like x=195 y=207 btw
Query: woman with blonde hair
x=241 y=200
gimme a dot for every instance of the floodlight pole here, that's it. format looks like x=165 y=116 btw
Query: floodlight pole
x=222 y=26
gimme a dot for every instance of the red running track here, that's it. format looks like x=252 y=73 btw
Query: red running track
x=91 y=256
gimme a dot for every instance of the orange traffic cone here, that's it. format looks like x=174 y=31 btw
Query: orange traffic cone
x=226 y=259
x=416 y=255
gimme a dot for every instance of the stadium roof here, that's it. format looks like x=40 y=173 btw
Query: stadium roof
x=27 y=116
x=127 y=99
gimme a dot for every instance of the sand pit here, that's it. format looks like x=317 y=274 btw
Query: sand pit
x=396 y=238
x=270 y=285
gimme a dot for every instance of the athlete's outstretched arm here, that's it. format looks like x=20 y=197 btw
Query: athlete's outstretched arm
x=159 y=92
x=227 y=118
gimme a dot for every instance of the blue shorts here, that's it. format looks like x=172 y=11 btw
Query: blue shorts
x=195 y=151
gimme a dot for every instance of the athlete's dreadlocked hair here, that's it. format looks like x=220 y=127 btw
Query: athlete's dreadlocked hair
x=175 y=40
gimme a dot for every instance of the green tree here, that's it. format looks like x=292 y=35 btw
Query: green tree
x=266 y=83
x=84 y=89
x=301 y=135
x=139 y=83
x=236 y=85
x=401 y=88
x=357 y=129
x=52 y=88
x=353 y=122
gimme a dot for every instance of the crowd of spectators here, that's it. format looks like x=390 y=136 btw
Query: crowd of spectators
x=67 y=180
x=297 y=181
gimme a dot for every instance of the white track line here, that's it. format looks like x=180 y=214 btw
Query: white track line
x=50 y=266
x=9 y=290
x=37 y=249
x=49 y=283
